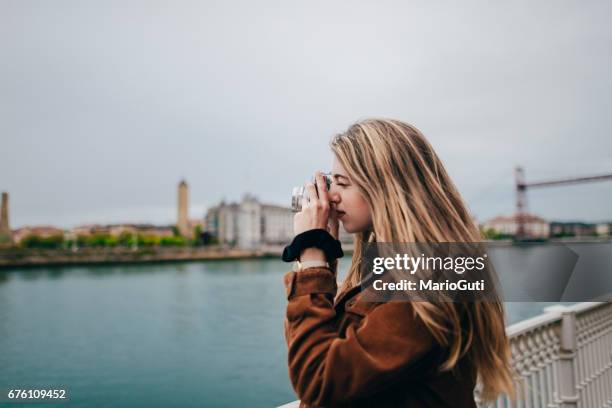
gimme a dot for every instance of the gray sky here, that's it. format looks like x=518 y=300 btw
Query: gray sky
x=105 y=106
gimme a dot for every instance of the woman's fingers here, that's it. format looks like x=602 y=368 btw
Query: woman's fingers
x=315 y=208
x=333 y=225
x=304 y=200
x=322 y=187
x=312 y=192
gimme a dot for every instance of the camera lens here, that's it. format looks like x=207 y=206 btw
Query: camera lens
x=298 y=193
x=296 y=198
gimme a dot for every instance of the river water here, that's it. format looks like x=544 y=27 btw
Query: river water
x=198 y=334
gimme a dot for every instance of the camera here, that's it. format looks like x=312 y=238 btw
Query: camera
x=300 y=192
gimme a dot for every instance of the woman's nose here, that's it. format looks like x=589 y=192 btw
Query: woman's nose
x=334 y=197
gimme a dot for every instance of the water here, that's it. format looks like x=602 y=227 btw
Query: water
x=157 y=335
x=195 y=334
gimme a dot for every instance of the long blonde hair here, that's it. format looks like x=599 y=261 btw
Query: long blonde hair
x=412 y=199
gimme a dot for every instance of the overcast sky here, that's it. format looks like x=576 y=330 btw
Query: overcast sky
x=105 y=106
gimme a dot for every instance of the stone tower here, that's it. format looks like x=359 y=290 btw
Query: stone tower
x=182 y=223
x=5 y=228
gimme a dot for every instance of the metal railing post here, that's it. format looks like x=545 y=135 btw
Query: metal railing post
x=567 y=359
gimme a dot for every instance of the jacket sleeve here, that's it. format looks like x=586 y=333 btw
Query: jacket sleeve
x=326 y=369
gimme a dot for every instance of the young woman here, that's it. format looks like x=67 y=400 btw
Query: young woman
x=388 y=186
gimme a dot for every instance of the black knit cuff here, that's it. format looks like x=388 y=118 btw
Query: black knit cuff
x=318 y=238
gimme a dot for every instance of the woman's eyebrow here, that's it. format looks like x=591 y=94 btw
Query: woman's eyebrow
x=337 y=176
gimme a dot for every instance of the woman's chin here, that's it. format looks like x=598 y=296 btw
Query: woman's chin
x=352 y=229
x=344 y=225
x=347 y=227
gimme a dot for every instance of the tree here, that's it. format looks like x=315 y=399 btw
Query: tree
x=197 y=236
x=50 y=242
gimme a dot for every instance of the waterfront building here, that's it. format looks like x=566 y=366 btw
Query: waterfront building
x=572 y=229
x=250 y=224
x=221 y=222
x=535 y=227
x=91 y=229
x=604 y=229
x=116 y=230
x=276 y=224
x=41 y=231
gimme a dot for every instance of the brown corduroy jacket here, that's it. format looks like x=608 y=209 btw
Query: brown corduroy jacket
x=353 y=353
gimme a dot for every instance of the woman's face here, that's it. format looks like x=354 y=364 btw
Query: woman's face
x=352 y=208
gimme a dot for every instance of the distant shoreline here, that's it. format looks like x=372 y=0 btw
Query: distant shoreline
x=27 y=258
x=15 y=257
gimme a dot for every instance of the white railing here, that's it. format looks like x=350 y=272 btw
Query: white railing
x=563 y=358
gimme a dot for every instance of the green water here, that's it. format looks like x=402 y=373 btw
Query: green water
x=200 y=334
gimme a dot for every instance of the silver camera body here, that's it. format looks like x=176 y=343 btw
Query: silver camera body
x=299 y=193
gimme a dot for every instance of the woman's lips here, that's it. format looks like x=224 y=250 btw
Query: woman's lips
x=340 y=214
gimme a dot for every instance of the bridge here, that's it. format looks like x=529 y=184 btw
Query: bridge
x=521 y=187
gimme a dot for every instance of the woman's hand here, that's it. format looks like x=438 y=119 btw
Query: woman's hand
x=316 y=209
x=317 y=212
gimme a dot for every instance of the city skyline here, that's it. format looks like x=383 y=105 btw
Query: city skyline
x=168 y=216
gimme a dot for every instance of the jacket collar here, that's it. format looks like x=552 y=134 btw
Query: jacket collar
x=344 y=296
x=354 y=290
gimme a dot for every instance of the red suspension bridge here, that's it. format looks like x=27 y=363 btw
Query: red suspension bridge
x=522 y=186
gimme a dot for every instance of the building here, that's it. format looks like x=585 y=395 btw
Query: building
x=41 y=231
x=535 y=227
x=572 y=229
x=5 y=227
x=221 y=222
x=182 y=222
x=277 y=224
x=116 y=230
x=91 y=229
x=250 y=224
x=604 y=229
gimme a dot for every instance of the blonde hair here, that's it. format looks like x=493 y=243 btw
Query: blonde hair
x=412 y=199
